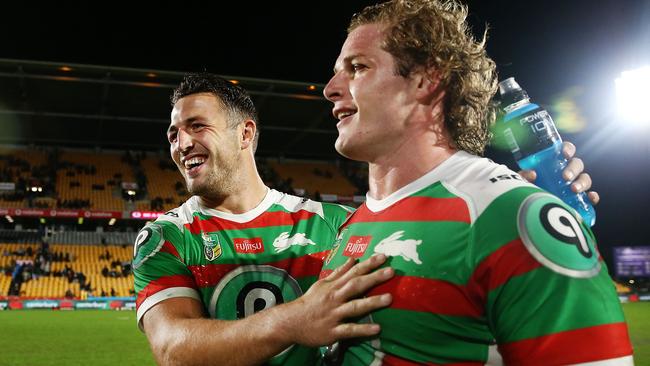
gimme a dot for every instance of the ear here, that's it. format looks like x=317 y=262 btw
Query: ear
x=428 y=85
x=247 y=136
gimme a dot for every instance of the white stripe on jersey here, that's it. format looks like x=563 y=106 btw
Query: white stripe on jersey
x=161 y=295
x=294 y=204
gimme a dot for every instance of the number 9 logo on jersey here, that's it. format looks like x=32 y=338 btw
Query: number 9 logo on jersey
x=249 y=289
x=553 y=236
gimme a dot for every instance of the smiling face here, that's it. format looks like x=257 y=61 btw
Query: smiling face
x=372 y=102
x=203 y=145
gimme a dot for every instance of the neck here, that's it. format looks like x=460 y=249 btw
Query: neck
x=241 y=197
x=398 y=170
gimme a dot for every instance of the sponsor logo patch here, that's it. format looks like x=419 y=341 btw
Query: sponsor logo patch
x=556 y=238
x=249 y=289
x=248 y=245
x=356 y=246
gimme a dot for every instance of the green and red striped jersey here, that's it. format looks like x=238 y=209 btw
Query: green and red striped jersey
x=489 y=269
x=237 y=264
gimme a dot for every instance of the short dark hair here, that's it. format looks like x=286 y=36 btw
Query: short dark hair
x=236 y=100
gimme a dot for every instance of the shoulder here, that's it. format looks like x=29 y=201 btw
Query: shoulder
x=507 y=209
x=480 y=183
x=166 y=228
x=332 y=213
x=179 y=216
x=293 y=203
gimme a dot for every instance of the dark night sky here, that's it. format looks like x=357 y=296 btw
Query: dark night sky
x=560 y=51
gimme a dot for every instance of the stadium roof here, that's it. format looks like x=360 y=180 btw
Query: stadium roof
x=118 y=107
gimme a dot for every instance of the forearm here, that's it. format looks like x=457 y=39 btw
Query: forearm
x=201 y=341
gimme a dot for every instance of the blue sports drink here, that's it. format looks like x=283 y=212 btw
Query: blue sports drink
x=532 y=137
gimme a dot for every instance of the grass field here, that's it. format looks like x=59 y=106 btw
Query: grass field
x=100 y=337
x=80 y=337
x=637 y=315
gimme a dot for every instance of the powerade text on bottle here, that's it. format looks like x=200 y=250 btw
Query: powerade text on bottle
x=531 y=136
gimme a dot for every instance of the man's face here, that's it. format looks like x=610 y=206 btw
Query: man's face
x=370 y=99
x=204 y=148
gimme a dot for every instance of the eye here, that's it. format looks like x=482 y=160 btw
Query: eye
x=356 y=67
x=172 y=137
x=197 y=126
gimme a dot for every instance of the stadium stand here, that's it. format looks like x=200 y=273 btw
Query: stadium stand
x=67 y=270
x=93 y=178
x=168 y=191
x=313 y=177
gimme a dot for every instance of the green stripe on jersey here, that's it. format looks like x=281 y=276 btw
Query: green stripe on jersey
x=336 y=214
x=502 y=214
x=449 y=243
x=165 y=264
x=306 y=237
x=424 y=344
x=529 y=305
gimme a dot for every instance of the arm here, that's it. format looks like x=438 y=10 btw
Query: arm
x=574 y=172
x=179 y=333
x=549 y=299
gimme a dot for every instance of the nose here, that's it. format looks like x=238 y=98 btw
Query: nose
x=334 y=89
x=185 y=140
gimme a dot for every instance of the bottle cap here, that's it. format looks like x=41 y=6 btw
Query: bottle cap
x=511 y=92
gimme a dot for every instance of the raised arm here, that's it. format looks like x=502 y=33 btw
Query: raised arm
x=574 y=173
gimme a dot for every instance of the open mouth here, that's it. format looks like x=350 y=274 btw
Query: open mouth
x=344 y=114
x=193 y=165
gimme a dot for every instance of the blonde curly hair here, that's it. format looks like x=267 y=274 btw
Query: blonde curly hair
x=433 y=34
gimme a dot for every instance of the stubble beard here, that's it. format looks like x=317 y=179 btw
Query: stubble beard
x=218 y=183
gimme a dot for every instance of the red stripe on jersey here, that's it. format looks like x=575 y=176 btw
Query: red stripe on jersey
x=209 y=275
x=277 y=218
x=417 y=209
x=510 y=260
x=164 y=283
x=590 y=344
x=427 y=295
x=171 y=249
x=390 y=360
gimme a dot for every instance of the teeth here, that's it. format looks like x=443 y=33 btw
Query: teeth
x=194 y=161
x=342 y=115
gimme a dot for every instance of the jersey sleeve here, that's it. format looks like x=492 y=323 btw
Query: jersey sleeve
x=158 y=269
x=547 y=294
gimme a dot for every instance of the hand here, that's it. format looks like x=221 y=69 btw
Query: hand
x=574 y=172
x=319 y=316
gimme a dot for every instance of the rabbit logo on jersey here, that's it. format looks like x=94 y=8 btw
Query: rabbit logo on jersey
x=394 y=246
x=284 y=241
